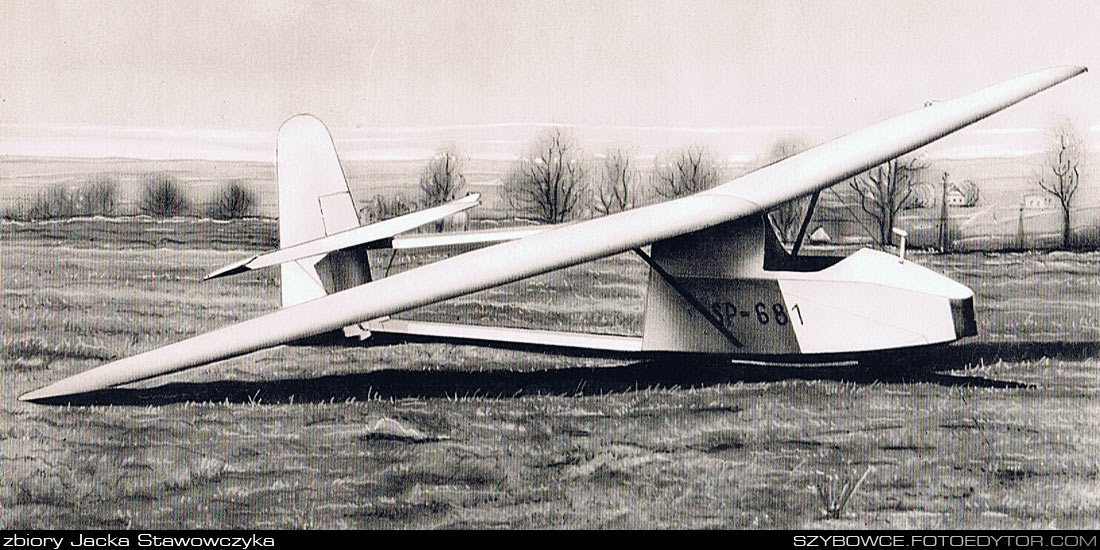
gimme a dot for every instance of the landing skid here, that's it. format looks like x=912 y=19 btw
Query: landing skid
x=395 y=331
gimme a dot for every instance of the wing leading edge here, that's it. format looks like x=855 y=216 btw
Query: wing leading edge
x=573 y=244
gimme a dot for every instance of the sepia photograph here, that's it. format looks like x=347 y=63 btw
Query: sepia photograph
x=459 y=264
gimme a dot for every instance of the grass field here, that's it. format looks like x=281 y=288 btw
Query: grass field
x=1000 y=431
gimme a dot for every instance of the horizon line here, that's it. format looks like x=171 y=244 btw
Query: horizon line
x=944 y=155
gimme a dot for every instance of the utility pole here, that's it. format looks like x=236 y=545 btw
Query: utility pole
x=944 y=237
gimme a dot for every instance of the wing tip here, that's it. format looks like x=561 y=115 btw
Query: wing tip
x=67 y=387
x=1071 y=71
x=231 y=269
x=35 y=396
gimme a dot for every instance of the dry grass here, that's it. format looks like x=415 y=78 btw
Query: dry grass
x=434 y=435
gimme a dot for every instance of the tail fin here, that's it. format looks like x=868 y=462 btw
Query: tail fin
x=314 y=201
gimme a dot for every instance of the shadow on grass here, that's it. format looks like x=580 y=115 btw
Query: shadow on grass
x=922 y=365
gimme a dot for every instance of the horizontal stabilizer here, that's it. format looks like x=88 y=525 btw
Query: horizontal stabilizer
x=231 y=269
x=363 y=235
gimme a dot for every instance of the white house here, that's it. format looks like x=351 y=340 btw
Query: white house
x=955 y=197
x=1037 y=201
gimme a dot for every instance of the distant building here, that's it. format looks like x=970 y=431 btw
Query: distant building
x=962 y=195
x=1036 y=201
x=955 y=197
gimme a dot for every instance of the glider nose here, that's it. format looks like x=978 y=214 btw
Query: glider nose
x=962 y=314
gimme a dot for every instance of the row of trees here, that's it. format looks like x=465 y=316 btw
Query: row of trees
x=557 y=182
x=96 y=197
x=161 y=196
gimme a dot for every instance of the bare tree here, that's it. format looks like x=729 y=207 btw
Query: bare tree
x=884 y=190
x=549 y=184
x=443 y=179
x=162 y=196
x=923 y=196
x=618 y=187
x=381 y=207
x=233 y=200
x=690 y=170
x=98 y=196
x=55 y=202
x=1066 y=154
x=970 y=192
x=787 y=217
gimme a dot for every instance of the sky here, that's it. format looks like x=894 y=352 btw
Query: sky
x=215 y=79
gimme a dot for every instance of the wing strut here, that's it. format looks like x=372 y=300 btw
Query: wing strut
x=689 y=297
x=805 y=223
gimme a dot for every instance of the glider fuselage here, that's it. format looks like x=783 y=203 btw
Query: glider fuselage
x=759 y=300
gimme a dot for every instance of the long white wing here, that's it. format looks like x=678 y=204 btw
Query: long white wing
x=465 y=239
x=573 y=244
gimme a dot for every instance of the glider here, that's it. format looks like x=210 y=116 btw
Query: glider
x=719 y=282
